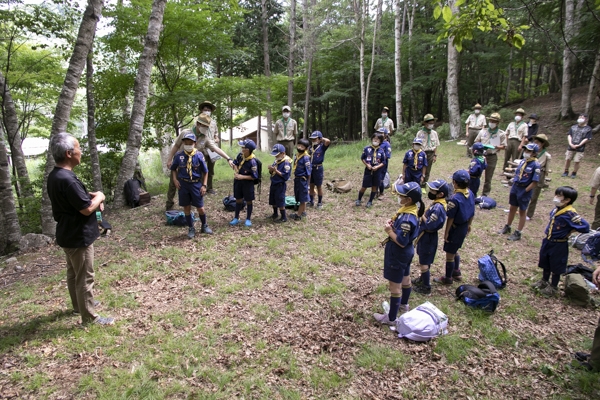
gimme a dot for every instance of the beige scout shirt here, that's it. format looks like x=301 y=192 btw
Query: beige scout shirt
x=514 y=131
x=388 y=124
x=430 y=141
x=498 y=139
x=595 y=182
x=544 y=160
x=203 y=140
x=476 y=121
x=287 y=130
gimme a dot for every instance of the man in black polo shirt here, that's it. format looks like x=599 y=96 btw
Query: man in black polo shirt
x=74 y=210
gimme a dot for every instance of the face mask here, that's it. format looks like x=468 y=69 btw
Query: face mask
x=383 y=115
x=375 y=143
x=526 y=155
x=279 y=156
x=400 y=200
x=532 y=122
x=300 y=150
x=315 y=142
x=557 y=201
x=518 y=118
x=188 y=147
x=493 y=125
x=286 y=115
x=430 y=126
x=417 y=147
x=477 y=111
x=580 y=121
x=431 y=196
x=206 y=113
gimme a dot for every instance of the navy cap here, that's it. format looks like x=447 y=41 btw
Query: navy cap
x=478 y=146
x=278 y=148
x=248 y=144
x=533 y=147
x=316 y=135
x=190 y=135
x=418 y=141
x=383 y=131
x=410 y=189
x=461 y=176
x=439 y=185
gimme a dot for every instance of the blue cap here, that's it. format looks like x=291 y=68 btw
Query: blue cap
x=439 y=185
x=316 y=135
x=418 y=141
x=278 y=148
x=533 y=147
x=248 y=144
x=478 y=146
x=410 y=189
x=461 y=176
x=383 y=131
x=190 y=135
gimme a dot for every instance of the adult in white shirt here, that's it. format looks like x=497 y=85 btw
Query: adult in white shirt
x=494 y=139
x=385 y=121
x=474 y=124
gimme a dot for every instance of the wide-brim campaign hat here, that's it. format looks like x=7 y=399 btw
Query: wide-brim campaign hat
x=495 y=117
x=520 y=111
x=207 y=104
x=477 y=106
x=542 y=138
x=429 y=117
x=203 y=120
x=286 y=108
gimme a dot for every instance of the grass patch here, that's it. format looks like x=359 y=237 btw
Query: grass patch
x=378 y=358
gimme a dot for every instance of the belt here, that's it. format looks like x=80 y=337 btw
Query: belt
x=317 y=165
x=430 y=231
x=429 y=151
x=300 y=177
x=190 y=180
x=522 y=184
x=475 y=176
x=557 y=240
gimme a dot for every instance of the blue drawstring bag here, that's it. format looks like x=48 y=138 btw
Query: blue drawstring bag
x=484 y=296
x=486 y=203
x=488 y=270
x=176 y=218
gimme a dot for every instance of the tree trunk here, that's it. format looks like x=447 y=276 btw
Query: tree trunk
x=10 y=230
x=141 y=88
x=566 y=110
x=360 y=13
x=375 y=28
x=10 y=123
x=267 y=63
x=309 y=42
x=509 y=75
x=398 y=33
x=589 y=102
x=83 y=44
x=91 y=123
x=452 y=86
x=290 y=100
x=413 y=98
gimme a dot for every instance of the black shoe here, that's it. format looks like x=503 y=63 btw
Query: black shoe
x=281 y=220
x=422 y=289
x=417 y=281
x=581 y=356
x=273 y=216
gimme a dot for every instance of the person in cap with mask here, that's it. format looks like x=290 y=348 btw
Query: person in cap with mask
x=373 y=158
x=554 y=252
x=429 y=225
x=402 y=230
x=280 y=171
x=516 y=134
x=527 y=177
x=301 y=169
x=385 y=121
x=493 y=139
x=476 y=167
x=317 y=151
x=460 y=214
x=578 y=136
x=207 y=108
x=286 y=130
x=387 y=151
x=190 y=174
x=246 y=171
x=204 y=136
x=532 y=127
x=543 y=158
x=474 y=124
x=415 y=163
x=430 y=142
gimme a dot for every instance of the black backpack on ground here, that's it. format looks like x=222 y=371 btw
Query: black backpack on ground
x=229 y=203
x=132 y=189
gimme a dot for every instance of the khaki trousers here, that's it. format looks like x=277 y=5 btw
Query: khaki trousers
x=471 y=139
x=430 y=158
x=596 y=223
x=80 y=280
x=512 y=151
x=491 y=160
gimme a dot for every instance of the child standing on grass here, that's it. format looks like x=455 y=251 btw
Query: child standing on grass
x=372 y=157
x=302 y=169
x=190 y=175
x=461 y=210
x=246 y=171
x=280 y=172
x=554 y=253
x=317 y=156
x=387 y=151
x=399 y=249
x=415 y=163
x=476 y=168
x=429 y=225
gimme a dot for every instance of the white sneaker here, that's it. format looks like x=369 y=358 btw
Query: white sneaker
x=383 y=319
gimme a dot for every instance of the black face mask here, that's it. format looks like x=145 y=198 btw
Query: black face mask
x=300 y=150
x=431 y=196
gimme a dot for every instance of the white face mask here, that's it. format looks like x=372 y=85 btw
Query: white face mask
x=375 y=143
x=518 y=118
x=557 y=201
x=430 y=126
x=581 y=121
x=477 y=111
x=207 y=112
x=493 y=125
x=417 y=146
x=526 y=156
x=400 y=200
x=384 y=115
x=188 y=147
x=286 y=115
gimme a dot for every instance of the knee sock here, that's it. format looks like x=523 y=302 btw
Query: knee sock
x=275 y=210
x=249 y=208
x=546 y=275
x=394 y=306
x=312 y=198
x=320 y=199
x=457 y=265
x=381 y=188
x=555 y=280
x=203 y=219
x=360 y=195
x=425 y=278
x=238 y=208
x=283 y=216
x=405 y=295
x=189 y=220
x=449 y=269
x=372 y=196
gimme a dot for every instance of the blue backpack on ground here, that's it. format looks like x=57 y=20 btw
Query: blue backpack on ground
x=486 y=203
x=488 y=270
x=484 y=296
x=591 y=249
x=229 y=203
x=175 y=218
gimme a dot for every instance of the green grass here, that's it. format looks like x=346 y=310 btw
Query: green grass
x=380 y=358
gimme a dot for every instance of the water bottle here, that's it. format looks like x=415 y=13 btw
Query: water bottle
x=386 y=307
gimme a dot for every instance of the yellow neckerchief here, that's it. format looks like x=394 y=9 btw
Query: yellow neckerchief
x=244 y=159
x=375 y=152
x=312 y=150
x=526 y=162
x=416 y=160
x=286 y=158
x=410 y=209
x=189 y=161
x=464 y=191
x=556 y=214
x=441 y=201
x=298 y=156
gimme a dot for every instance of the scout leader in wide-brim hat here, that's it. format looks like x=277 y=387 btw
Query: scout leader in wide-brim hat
x=520 y=111
x=203 y=120
x=542 y=138
x=207 y=104
x=477 y=106
x=428 y=118
x=495 y=117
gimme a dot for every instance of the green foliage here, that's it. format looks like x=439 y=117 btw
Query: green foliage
x=110 y=163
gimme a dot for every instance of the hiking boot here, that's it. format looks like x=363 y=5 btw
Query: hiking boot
x=104 y=321
x=539 y=285
x=457 y=276
x=564 y=174
x=417 y=281
x=281 y=220
x=296 y=217
x=310 y=204
x=206 y=229
x=443 y=280
x=191 y=232
x=516 y=235
x=573 y=175
x=273 y=217
x=96 y=304
x=248 y=223
x=319 y=206
x=422 y=289
x=357 y=203
x=505 y=231
x=234 y=222
x=549 y=291
x=303 y=215
x=169 y=206
x=384 y=319
x=369 y=204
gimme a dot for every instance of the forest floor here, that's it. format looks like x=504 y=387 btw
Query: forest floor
x=284 y=311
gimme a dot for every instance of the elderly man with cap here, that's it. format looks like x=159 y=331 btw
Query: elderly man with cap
x=207 y=108
x=493 y=139
x=516 y=134
x=205 y=140
x=474 y=124
x=543 y=158
x=578 y=136
x=385 y=121
x=430 y=140
x=286 y=130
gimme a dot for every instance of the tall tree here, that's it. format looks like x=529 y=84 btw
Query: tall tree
x=309 y=51
x=589 y=103
x=290 y=100
x=83 y=44
x=373 y=47
x=398 y=33
x=452 y=85
x=267 y=65
x=566 y=110
x=91 y=123
x=10 y=231
x=361 y=15
x=140 y=98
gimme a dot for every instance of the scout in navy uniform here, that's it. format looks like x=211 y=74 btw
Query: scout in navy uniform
x=302 y=169
x=246 y=171
x=402 y=229
x=461 y=210
x=476 y=168
x=415 y=163
x=430 y=223
x=280 y=172
x=387 y=150
x=373 y=157
x=190 y=174
x=317 y=156
x=527 y=176
x=554 y=253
